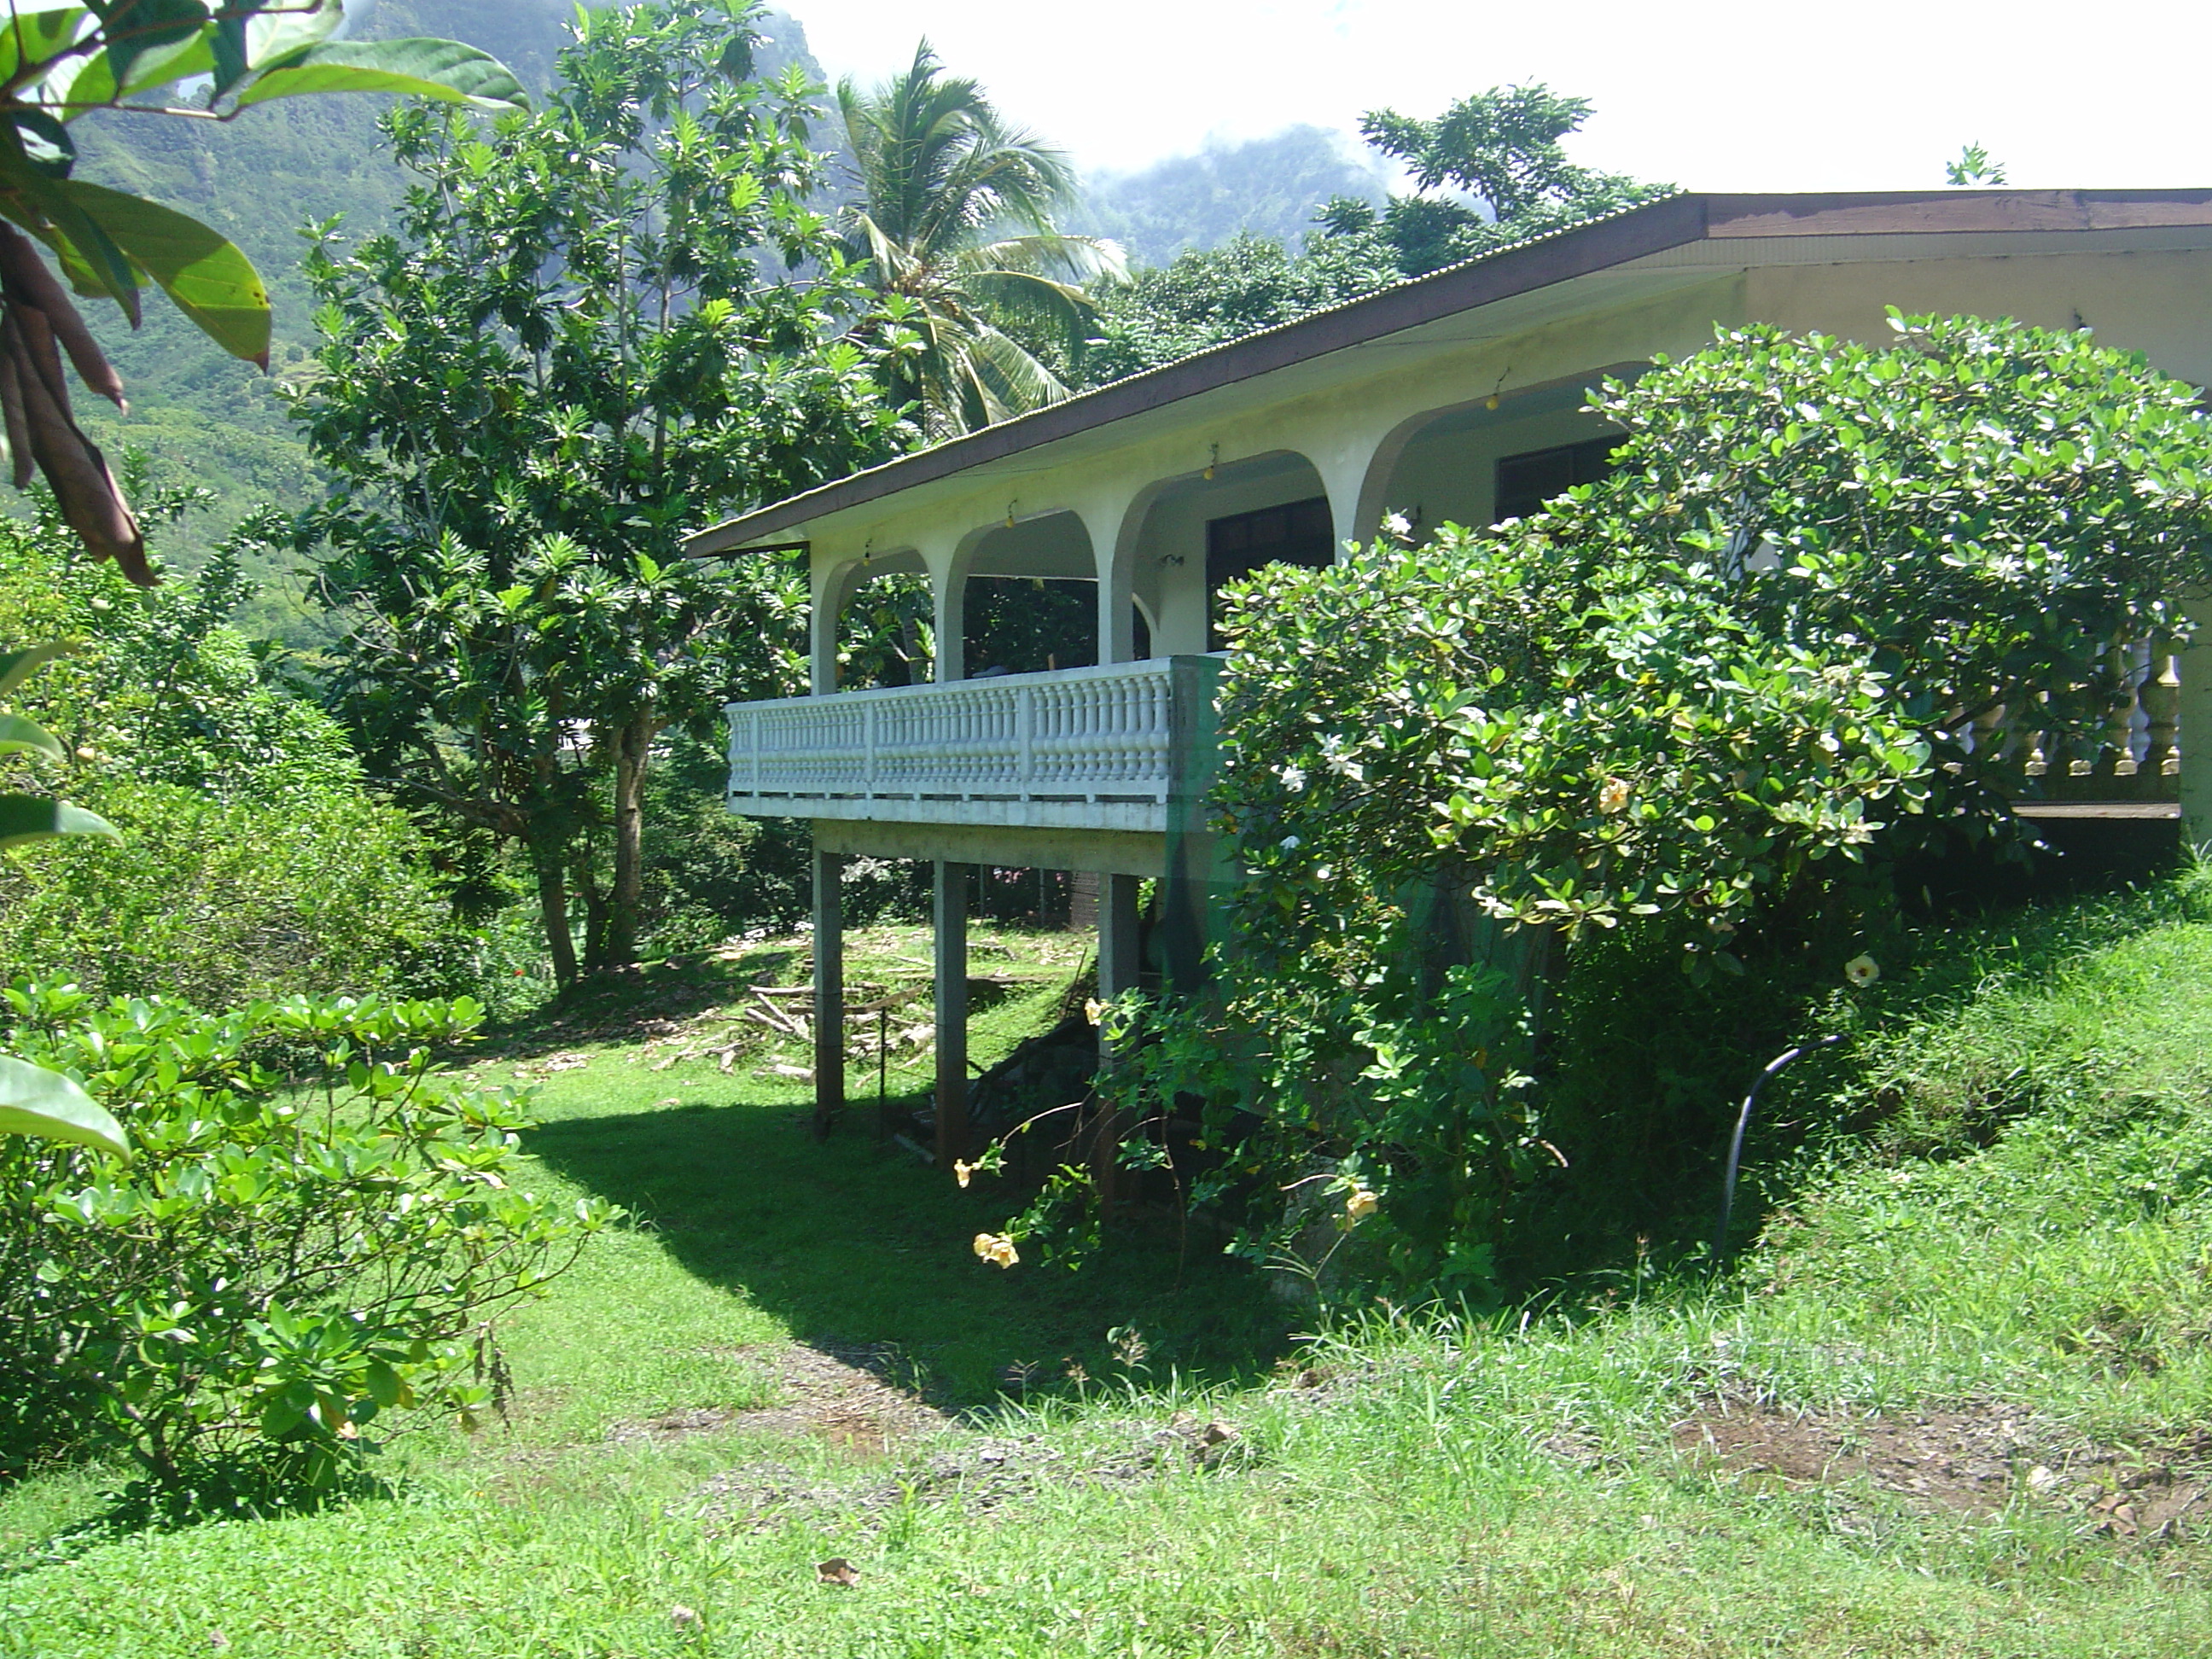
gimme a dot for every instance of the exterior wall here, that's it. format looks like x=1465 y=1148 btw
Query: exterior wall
x=2158 y=303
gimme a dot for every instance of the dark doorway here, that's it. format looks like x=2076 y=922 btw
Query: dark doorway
x=1298 y=532
x=1526 y=482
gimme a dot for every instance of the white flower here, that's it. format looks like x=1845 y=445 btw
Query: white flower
x=1613 y=797
x=1397 y=525
x=1862 y=971
x=1293 y=777
x=1291 y=843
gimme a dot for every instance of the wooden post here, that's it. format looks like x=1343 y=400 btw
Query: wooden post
x=2196 y=721
x=828 y=991
x=950 y=897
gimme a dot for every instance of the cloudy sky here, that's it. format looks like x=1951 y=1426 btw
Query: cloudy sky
x=1711 y=95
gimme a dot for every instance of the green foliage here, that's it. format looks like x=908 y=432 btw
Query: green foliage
x=217 y=901
x=943 y=180
x=598 y=327
x=1711 y=695
x=1207 y=298
x=252 y=862
x=290 y=1258
x=63 y=63
x=1497 y=157
x=1974 y=168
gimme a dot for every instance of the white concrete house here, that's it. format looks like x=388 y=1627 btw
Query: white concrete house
x=1455 y=397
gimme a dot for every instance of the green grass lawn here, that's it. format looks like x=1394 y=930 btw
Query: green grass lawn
x=2031 y=1300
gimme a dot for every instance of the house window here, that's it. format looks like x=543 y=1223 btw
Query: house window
x=1298 y=532
x=1526 y=482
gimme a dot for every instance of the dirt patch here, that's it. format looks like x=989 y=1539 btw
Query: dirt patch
x=978 y=1475
x=1974 y=1461
x=826 y=1393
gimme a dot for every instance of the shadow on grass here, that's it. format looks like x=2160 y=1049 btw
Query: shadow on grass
x=858 y=1248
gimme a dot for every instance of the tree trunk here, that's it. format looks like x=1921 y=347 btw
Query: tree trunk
x=633 y=751
x=553 y=907
x=595 y=914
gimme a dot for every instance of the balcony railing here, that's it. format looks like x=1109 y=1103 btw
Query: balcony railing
x=1083 y=748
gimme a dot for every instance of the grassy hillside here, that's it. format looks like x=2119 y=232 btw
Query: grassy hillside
x=1951 y=1404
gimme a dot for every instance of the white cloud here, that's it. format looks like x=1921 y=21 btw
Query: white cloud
x=1741 y=94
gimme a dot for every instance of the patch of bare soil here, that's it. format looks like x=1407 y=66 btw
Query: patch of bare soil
x=978 y=1475
x=1974 y=1461
x=829 y=1394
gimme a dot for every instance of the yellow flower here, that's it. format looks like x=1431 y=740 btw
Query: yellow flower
x=1613 y=797
x=961 y=1171
x=998 y=1248
x=1359 y=1203
x=1862 y=971
x=1094 y=1011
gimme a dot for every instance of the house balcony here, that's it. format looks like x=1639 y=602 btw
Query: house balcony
x=1110 y=751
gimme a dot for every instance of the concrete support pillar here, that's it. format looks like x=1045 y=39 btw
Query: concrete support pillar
x=950 y=905
x=948 y=583
x=1108 y=524
x=2196 y=666
x=830 y=588
x=829 y=991
x=1118 y=962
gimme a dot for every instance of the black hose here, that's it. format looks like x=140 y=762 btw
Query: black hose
x=1743 y=1123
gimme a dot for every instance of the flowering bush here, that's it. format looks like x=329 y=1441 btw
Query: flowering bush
x=1718 y=688
x=291 y=1258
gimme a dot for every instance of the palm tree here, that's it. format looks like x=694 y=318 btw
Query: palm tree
x=954 y=214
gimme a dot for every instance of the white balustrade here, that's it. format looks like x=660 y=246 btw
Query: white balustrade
x=1086 y=736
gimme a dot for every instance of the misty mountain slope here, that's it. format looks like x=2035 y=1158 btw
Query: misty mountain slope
x=1263 y=186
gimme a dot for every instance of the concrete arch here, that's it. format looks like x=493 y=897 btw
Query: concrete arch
x=835 y=581
x=1054 y=546
x=1159 y=554
x=1439 y=464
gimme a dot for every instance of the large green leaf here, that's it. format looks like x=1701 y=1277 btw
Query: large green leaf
x=276 y=32
x=18 y=736
x=37 y=32
x=34 y=1101
x=16 y=666
x=444 y=70
x=139 y=28
x=34 y=817
x=47 y=207
x=211 y=280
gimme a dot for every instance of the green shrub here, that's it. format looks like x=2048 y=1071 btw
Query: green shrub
x=290 y=1259
x=1689 y=715
x=217 y=902
x=252 y=862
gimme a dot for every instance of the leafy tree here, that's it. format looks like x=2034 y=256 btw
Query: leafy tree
x=253 y=860
x=299 y=1260
x=1498 y=160
x=1974 y=168
x=954 y=216
x=1207 y=298
x=597 y=327
x=61 y=64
